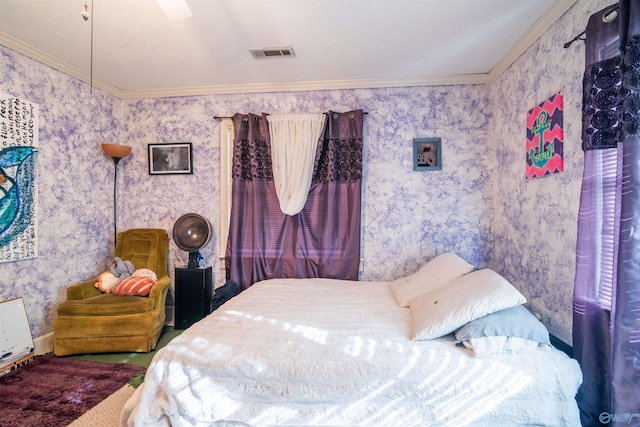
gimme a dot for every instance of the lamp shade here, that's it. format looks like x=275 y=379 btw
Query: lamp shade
x=116 y=150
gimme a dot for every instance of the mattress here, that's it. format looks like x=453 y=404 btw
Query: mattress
x=327 y=352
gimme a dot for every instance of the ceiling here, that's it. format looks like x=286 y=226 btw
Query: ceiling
x=139 y=52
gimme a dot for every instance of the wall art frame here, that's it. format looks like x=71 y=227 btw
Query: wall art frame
x=18 y=178
x=545 y=138
x=170 y=159
x=427 y=154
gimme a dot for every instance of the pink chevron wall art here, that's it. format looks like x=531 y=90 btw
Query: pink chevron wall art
x=545 y=138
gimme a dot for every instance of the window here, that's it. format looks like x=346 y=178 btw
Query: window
x=226 y=162
x=226 y=157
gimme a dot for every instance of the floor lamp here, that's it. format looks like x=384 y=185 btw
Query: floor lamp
x=116 y=152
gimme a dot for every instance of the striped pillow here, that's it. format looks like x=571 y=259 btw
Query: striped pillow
x=140 y=285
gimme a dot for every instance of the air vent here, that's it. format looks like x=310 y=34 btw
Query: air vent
x=272 y=52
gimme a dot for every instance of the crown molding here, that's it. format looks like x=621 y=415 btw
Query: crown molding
x=306 y=86
x=40 y=56
x=71 y=71
x=557 y=9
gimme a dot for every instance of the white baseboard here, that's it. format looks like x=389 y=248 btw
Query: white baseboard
x=43 y=344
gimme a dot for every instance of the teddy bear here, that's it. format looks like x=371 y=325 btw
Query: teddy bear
x=122 y=269
x=106 y=281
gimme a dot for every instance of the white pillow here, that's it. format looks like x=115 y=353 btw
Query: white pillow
x=434 y=274
x=464 y=299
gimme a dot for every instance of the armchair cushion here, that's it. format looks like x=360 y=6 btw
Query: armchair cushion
x=83 y=290
x=106 y=305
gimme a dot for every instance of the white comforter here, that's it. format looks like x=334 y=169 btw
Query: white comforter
x=337 y=353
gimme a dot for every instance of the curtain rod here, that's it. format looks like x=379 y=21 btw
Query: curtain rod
x=607 y=17
x=222 y=117
x=578 y=37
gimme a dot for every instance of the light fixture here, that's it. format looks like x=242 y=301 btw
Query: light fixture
x=85 y=13
x=117 y=152
x=175 y=9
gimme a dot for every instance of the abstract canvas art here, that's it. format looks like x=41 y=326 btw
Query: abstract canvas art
x=18 y=178
x=545 y=138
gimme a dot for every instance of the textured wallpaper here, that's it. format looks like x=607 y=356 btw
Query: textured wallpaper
x=479 y=205
x=536 y=220
x=75 y=184
x=409 y=216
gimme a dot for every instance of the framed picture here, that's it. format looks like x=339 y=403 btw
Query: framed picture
x=427 y=154
x=170 y=159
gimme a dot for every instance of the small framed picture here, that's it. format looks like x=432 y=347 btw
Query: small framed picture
x=427 y=154
x=170 y=159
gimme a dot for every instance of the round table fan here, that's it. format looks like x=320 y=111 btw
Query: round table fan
x=192 y=232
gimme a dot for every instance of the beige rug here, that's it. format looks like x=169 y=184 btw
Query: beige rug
x=107 y=412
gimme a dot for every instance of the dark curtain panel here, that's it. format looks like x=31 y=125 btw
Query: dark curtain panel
x=606 y=320
x=323 y=240
x=626 y=330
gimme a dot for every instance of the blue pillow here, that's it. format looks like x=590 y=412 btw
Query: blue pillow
x=511 y=322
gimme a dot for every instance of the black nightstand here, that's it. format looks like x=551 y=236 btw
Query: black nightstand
x=194 y=289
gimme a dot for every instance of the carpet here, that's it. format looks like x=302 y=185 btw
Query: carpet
x=53 y=391
x=138 y=359
x=107 y=412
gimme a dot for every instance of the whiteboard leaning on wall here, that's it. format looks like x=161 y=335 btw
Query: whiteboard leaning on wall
x=16 y=342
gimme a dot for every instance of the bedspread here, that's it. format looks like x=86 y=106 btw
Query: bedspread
x=337 y=353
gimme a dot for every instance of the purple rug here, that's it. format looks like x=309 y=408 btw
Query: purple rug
x=54 y=391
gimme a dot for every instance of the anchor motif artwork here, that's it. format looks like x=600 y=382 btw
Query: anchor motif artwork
x=18 y=178
x=545 y=138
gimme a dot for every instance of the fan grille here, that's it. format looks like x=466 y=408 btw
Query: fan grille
x=191 y=232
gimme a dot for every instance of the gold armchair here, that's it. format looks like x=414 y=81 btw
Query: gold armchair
x=93 y=322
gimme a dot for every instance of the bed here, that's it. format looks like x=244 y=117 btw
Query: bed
x=328 y=352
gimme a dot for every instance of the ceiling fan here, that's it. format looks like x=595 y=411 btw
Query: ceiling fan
x=173 y=9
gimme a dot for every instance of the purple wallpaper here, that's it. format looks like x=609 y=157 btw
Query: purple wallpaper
x=408 y=216
x=479 y=205
x=535 y=221
x=75 y=184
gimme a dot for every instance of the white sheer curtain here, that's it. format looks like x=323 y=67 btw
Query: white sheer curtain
x=294 y=139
